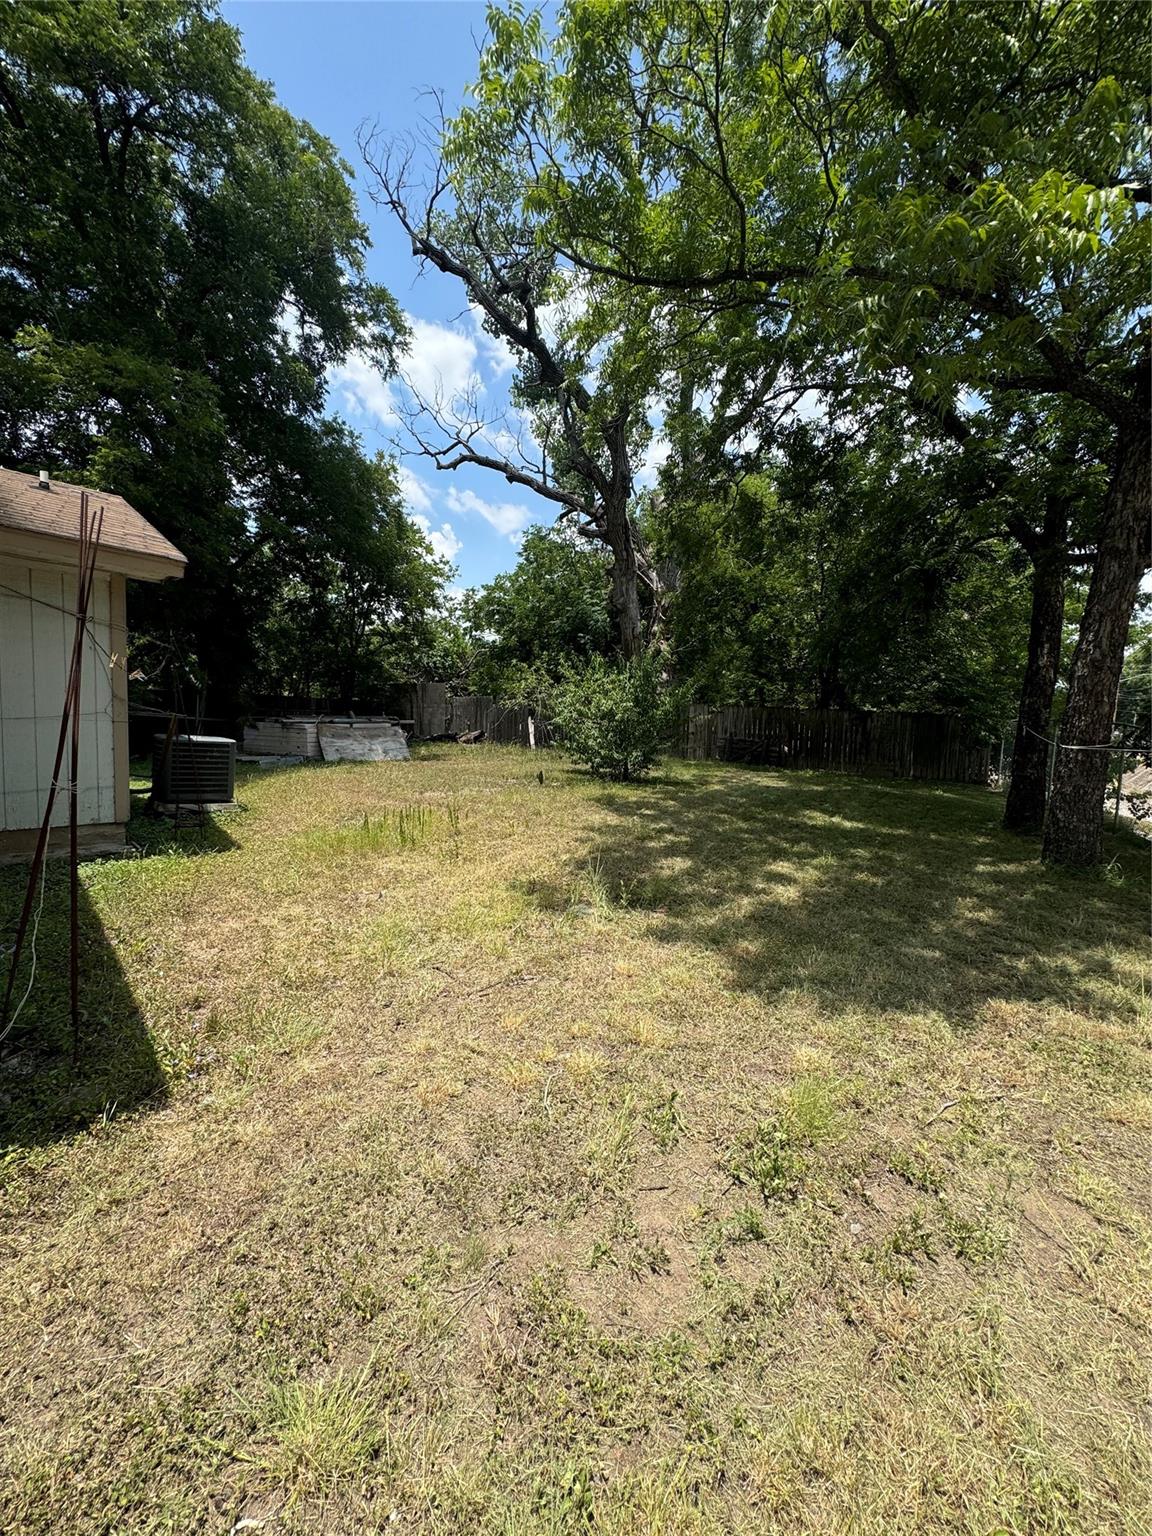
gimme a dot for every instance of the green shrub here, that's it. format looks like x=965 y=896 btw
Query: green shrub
x=616 y=718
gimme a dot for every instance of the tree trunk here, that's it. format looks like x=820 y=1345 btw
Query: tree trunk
x=830 y=691
x=625 y=577
x=1073 y=834
x=1028 y=789
x=619 y=533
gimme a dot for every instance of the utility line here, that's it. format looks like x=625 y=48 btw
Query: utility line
x=1069 y=746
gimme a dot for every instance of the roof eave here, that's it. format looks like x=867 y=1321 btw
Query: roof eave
x=134 y=563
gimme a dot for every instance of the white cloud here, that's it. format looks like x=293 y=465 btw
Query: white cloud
x=440 y=367
x=505 y=516
x=443 y=540
x=362 y=390
x=440 y=364
x=512 y=437
x=655 y=457
x=416 y=494
x=418 y=499
x=495 y=351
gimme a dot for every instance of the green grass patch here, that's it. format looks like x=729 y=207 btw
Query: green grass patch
x=394 y=830
x=451 y=1152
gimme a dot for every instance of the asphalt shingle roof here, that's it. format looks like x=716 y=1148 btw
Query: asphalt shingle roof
x=27 y=508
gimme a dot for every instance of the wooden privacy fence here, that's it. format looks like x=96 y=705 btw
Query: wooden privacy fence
x=440 y=713
x=903 y=744
x=906 y=745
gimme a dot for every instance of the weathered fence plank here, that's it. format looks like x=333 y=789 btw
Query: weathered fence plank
x=904 y=744
x=900 y=743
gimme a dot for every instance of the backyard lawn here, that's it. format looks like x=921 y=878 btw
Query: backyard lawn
x=452 y=1152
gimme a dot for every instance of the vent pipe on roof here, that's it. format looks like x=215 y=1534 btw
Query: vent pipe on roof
x=45 y=483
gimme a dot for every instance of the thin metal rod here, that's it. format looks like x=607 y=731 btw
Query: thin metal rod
x=91 y=531
x=74 y=797
x=70 y=698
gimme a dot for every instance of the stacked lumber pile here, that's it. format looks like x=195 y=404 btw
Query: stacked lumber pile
x=282 y=738
x=299 y=736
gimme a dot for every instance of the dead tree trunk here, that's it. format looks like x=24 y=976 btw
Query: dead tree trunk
x=625 y=595
x=1073 y=834
x=493 y=252
x=630 y=565
x=1027 y=792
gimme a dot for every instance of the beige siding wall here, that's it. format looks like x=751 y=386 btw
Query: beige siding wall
x=36 y=630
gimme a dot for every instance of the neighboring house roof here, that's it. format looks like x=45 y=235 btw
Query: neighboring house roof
x=29 y=514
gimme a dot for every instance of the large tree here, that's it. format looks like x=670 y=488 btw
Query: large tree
x=1024 y=478
x=356 y=608
x=955 y=190
x=857 y=567
x=181 y=262
x=1046 y=473
x=579 y=418
x=550 y=611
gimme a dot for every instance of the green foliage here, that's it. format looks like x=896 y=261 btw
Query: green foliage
x=395 y=830
x=181 y=263
x=943 y=202
x=550 y=611
x=950 y=189
x=665 y=1121
x=323 y=1432
x=1134 y=704
x=766 y=1159
x=931 y=213
x=616 y=718
x=449 y=649
x=357 y=611
x=849 y=572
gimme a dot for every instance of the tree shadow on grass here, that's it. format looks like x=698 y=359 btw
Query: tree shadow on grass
x=45 y=1094
x=884 y=895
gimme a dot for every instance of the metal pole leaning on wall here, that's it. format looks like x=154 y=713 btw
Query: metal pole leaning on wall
x=86 y=571
x=90 y=532
x=74 y=795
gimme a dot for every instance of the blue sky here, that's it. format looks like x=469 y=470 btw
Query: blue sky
x=340 y=63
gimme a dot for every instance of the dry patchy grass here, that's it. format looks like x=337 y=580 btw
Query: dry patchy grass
x=736 y=1152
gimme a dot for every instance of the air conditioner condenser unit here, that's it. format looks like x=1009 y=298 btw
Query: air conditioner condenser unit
x=193 y=770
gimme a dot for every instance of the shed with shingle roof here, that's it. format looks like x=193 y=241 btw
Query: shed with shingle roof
x=39 y=545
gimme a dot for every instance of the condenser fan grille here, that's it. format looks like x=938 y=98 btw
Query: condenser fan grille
x=193 y=770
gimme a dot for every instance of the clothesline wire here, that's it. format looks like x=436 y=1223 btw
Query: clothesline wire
x=89 y=625
x=110 y=656
x=1069 y=746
